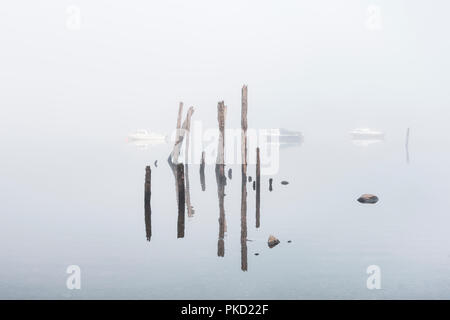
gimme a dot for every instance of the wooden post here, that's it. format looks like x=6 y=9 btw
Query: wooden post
x=244 y=265
x=187 y=128
x=220 y=161
x=147 y=197
x=244 y=129
x=181 y=202
x=180 y=136
x=202 y=172
x=258 y=187
x=220 y=176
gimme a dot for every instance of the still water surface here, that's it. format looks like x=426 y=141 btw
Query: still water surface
x=79 y=200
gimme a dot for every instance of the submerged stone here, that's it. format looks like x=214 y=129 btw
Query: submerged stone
x=368 y=198
x=272 y=242
x=284 y=182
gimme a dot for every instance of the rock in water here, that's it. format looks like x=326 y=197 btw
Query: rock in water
x=284 y=183
x=368 y=198
x=230 y=174
x=272 y=242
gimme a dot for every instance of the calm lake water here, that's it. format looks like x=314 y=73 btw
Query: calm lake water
x=80 y=201
x=72 y=187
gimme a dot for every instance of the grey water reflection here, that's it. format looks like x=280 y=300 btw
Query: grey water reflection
x=244 y=254
x=221 y=183
x=147 y=206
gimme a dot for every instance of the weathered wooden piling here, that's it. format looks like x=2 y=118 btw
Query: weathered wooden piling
x=220 y=161
x=244 y=108
x=178 y=168
x=180 y=134
x=244 y=265
x=147 y=206
x=187 y=128
x=202 y=172
x=258 y=187
x=220 y=177
x=181 y=200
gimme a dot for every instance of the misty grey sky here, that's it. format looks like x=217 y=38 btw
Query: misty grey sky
x=131 y=62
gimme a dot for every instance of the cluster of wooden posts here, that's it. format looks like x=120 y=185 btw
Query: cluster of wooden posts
x=181 y=175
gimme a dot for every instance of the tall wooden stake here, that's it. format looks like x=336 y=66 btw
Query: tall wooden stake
x=244 y=265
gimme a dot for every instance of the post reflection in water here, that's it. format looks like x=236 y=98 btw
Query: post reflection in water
x=181 y=200
x=220 y=178
x=258 y=188
x=147 y=207
x=202 y=172
x=244 y=219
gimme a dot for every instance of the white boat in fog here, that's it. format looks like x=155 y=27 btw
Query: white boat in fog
x=364 y=137
x=144 y=139
x=147 y=136
x=283 y=137
x=366 y=133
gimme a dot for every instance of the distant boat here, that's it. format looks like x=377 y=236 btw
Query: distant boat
x=283 y=137
x=143 y=139
x=148 y=136
x=366 y=133
x=364 y=137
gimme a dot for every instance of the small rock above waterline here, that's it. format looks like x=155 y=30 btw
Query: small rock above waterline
x=368 y=198
x=272 y=242
x=284 y=182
